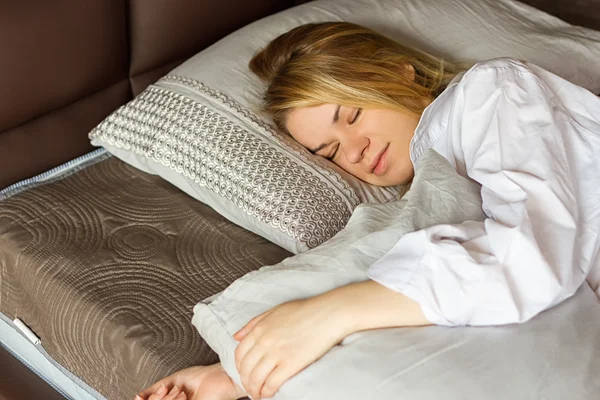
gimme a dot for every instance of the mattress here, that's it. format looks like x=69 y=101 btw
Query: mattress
x=104 y=263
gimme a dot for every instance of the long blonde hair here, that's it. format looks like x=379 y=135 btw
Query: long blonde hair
x=347 y=64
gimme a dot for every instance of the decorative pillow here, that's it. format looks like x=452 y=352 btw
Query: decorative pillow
x=546 y=358
x=199 y=127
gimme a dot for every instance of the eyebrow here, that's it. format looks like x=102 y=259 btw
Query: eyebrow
x=336 y=118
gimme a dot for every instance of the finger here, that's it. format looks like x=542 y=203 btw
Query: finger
x=160 y=393
x=250 y=360
x=175 y=391
x=242 y=349
x=259 y=375
x=239 y=335
x=278 y=376
x=144 y=394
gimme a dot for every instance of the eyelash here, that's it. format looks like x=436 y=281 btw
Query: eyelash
x=351 y=122
x=357 y=115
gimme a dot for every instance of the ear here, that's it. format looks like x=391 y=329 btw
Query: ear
x=409 y=70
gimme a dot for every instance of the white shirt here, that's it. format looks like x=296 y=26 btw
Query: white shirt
x=532 y=141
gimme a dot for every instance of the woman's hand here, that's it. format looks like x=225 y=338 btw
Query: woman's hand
x=163 y=393
x=209 y=382
x=281 y=342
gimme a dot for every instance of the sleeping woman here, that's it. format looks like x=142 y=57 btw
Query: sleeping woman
x=530 y=139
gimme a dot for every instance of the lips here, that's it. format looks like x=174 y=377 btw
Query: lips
x=376 y=165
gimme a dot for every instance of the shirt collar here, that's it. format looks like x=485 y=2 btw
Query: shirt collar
x=433 y=121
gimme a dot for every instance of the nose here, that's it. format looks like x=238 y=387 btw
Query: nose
x=354 y=147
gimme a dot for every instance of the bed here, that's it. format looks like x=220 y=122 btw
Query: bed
x=101 y=263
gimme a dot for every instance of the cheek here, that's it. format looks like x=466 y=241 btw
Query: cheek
x=405 y=172
x=297 y=137
x=401 y=168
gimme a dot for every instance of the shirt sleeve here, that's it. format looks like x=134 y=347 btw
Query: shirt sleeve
x=507 y=130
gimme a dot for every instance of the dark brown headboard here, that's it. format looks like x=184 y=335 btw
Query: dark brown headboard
x=577 y=12
x=66 y=64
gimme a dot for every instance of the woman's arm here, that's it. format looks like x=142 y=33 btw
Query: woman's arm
x=370 y=305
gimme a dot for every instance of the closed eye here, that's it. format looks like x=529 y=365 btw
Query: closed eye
x=358 y=112
x=354 y=119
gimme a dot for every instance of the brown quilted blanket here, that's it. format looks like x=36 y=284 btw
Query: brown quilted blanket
x=105 y=266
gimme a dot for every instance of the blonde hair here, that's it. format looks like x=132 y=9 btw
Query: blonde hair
x=347 y=64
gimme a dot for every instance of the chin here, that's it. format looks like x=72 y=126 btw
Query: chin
x=382 y=181
x=390 y=184
x=386 y=181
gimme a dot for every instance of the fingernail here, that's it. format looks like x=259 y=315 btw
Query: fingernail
x=181 y=396
x=137 y=397
x=174 y=390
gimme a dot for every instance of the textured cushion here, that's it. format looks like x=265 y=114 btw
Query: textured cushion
x=199 y=129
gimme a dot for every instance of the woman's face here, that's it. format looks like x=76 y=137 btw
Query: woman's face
x=371 y=144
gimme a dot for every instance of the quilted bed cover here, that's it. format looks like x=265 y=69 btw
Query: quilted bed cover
x=104 y=263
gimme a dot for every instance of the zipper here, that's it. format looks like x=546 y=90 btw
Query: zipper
x=77 y=163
